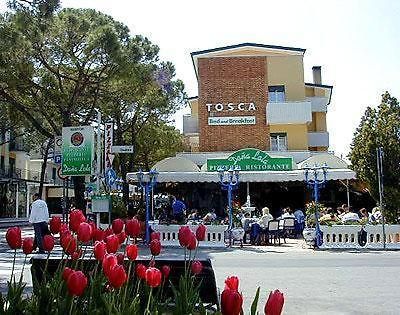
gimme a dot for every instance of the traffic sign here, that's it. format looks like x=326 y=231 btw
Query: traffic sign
x=111 y=176
x=122 y=149
x=60 y=176
x=57 y=159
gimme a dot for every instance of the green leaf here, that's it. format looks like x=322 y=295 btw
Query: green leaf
x=253 y=310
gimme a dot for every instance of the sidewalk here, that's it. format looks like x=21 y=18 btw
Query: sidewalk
x=11 y=222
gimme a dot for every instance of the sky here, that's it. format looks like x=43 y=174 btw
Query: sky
x=357 y=43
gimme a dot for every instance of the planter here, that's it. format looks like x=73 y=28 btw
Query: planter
x=309 y=235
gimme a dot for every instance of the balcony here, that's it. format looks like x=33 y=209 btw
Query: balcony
x=318 y=139
x=190 y=124
x=289 y=113
x=318 y=104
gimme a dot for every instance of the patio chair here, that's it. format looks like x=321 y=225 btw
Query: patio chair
x=281 y=229
x=289 y=228
x=273 y=232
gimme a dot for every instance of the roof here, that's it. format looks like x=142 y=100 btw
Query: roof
x=210 y=52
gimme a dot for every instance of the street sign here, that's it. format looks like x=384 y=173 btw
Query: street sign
x=58 y=149
x=122 y=149
x=60 y=176
x=108 y=142
x=111 y=176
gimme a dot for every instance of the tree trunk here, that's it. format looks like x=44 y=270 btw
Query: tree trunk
x=79 y=190
x=44 y=165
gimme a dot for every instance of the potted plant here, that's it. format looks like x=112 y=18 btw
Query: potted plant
x=309 y=233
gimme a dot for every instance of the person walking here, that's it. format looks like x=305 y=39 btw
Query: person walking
x=39 y=217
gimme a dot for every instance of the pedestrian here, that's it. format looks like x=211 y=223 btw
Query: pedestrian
x=179 y=210
x=39 y=217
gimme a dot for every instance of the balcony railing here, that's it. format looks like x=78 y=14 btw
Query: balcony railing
x=289 y=113
x=318 y=139
x=190 y=124
x=318 y=104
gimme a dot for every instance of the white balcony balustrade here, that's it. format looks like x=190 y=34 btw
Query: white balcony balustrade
x=288 y=113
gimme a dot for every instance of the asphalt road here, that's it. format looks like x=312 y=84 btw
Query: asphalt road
x=314 y=282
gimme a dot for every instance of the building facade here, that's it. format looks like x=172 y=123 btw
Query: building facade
x=255 y=96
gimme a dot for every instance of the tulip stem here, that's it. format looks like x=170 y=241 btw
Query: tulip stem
x=71 y=306
x=22 y=272
x=127 y=283
x=12 y=271
x=46 y=265
x=148 y=302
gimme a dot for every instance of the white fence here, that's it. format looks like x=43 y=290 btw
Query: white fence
x=347 y=236
x=340 y=236
x=215 y=235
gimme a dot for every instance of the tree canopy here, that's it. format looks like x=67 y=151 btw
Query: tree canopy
x=380 y=127
x=59 y=66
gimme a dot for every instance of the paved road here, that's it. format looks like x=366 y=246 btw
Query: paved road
x=314 y=282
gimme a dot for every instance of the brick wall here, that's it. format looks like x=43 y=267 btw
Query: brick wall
x=234 y=79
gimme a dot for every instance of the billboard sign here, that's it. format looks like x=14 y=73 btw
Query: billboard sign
x=77 y=151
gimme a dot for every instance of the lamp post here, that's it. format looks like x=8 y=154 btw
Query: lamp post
x=228 y=180
x=148 y=186
x=316 y=184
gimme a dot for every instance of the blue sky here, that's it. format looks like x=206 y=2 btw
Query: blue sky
x=357 y=43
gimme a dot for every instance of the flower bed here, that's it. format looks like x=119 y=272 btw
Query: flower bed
x=108 y=280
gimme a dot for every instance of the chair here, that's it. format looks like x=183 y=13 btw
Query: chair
x=273 y=231
x=289 y=228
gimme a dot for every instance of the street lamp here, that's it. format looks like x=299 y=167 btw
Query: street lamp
x=148 y=185
x=316 y=184
x=229 y=180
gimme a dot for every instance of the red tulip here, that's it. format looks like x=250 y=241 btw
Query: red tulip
x=55 y=225
x=117 y=276
x=155 y=236
x=48 y=243
x=275 y=303
x=99 y=250
x=201 y=232
x=184 y=236
x=112 y=242
x=98 y=234
x=155 y=247
x=93 y=226
x=120 y=259
x=64 y=228
x=232 y=283
x=121 y=237
x=76 y=283
x=196 y=267
x=231 y=302
x=14 y=238
x=192 y=242
x=109 y=261
x=108 y=232
x=131 y=251
x=27 y=245
x=132 y=228
x=84 y=232
x=69 y=244
x=153 y=277
x=117 y=226
x=76 y=255
x=67 y=272
x=141 y=271
x=76 y=217
x=165 y=271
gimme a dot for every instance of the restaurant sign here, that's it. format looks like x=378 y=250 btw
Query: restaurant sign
x=251 y=160
x=77 y=150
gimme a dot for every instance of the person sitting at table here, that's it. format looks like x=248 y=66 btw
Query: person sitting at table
x=210 y=217
x=258 y=227
x=178 y=210
x=350 y=216
x=287 y=213
x=194 y=215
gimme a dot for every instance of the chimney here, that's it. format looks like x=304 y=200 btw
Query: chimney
x=316 y=72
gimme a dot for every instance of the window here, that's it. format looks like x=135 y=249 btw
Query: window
x=278 y=142
x=276 y=93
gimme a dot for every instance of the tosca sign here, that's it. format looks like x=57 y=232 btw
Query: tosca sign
x=251 y=160
x=77 y=151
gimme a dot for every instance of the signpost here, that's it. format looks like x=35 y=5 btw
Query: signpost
x=108 y=142
x=77 y=150
x=122 y=149
x=57 y=149
x=251 y=160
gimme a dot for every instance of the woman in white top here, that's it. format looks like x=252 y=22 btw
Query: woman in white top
x=265 y=218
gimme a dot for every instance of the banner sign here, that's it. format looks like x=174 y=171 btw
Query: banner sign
x=251 y=160
x=231 y=120
x=77 y=151
x=108 y=142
